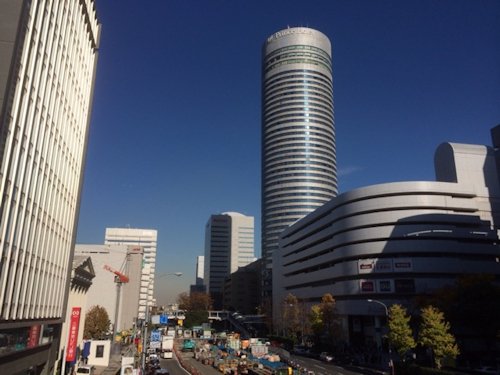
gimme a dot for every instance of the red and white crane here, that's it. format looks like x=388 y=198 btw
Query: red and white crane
x=120 y=278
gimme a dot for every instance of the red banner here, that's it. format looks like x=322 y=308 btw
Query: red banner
x=73 y=334
x=34 y=336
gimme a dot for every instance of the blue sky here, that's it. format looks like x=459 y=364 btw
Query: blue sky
x=175 y=130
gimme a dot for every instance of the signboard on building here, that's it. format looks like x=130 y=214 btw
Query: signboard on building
x=385 y=286
x=367 y=286
x=375 y=265
x=366 y=265
x=74 y=323
x=403 y=265
x=34 y=336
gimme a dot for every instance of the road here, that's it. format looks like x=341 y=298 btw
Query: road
x=322 y=368
x=173 y=367
x=319 y=368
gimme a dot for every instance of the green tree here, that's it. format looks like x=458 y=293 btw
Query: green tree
x=434 y=333
x=316 y=320
x=400 y=333
x=96 y=323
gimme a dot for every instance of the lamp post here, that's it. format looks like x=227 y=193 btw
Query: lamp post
x=146 y=323
x=391 y=365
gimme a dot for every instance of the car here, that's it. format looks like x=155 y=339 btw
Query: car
x=326 y=357
x=89 y=370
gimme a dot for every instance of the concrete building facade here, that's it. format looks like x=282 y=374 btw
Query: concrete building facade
x=147 y=239
x=126 y=259
x=395 y=241
x=82 y=276
x=299 y=172
x=229 y=244
x=48 y=60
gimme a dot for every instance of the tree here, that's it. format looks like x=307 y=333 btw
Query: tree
x=196 y=306
x=316 y=323
x=400 y=334
x=434 y=333
x=96 y=323
x=194 y=301
x=328 y=314
x=463 y=304
x=291 y=316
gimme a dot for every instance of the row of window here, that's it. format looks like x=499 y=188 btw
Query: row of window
x=299 y=48
x=302 y=102
x=303 y=129
x=278 y=87
x=287 y=141
x=299 y=154
x=298 y=89
x=331 y=181
x=285 y=147
x=298 y=61
x=305 y=165
x=327 y=100
x=286 y=81
x=298 y=73
x=297 y=112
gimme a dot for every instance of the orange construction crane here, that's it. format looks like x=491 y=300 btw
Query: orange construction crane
x=119 y=277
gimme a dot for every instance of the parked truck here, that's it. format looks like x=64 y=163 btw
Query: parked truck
x=167 y=347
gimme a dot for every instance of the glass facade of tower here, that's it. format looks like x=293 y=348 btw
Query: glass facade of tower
x=298 y=136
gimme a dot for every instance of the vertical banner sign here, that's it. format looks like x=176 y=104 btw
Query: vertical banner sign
x=34 y=336
x=73 y=334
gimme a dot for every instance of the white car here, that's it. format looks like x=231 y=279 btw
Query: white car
x=324 y=356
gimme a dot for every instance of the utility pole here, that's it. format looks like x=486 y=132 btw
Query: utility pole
x=144 y=339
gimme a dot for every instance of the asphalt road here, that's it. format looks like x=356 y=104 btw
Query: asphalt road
x=173 y=367
x=319 y=367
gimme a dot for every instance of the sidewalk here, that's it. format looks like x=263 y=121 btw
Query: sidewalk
x=114 y=366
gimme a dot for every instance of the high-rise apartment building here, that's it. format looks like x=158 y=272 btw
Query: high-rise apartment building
x=229 y=244
x=48 y=59
x=147 y=239
x=298 y=136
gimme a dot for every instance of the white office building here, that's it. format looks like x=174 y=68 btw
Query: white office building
x=147 y=239
x=48 y=56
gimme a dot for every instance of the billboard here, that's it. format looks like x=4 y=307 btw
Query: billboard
x=74 y=323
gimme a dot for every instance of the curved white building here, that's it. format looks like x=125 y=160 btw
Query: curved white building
x=298 y=137
x=394 y=241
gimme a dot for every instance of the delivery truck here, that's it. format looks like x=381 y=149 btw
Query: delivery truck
x=167 y=347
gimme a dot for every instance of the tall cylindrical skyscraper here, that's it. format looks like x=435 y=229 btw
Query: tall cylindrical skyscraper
x=298 y=137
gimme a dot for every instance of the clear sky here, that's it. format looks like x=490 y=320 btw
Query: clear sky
x=175 y=130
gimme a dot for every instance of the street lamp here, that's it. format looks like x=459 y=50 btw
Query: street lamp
x=391 y=365
x=146 y=322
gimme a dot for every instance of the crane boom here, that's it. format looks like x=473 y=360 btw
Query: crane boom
x=121 y=277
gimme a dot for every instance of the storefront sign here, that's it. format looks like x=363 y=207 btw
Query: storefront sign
x=34 y=336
